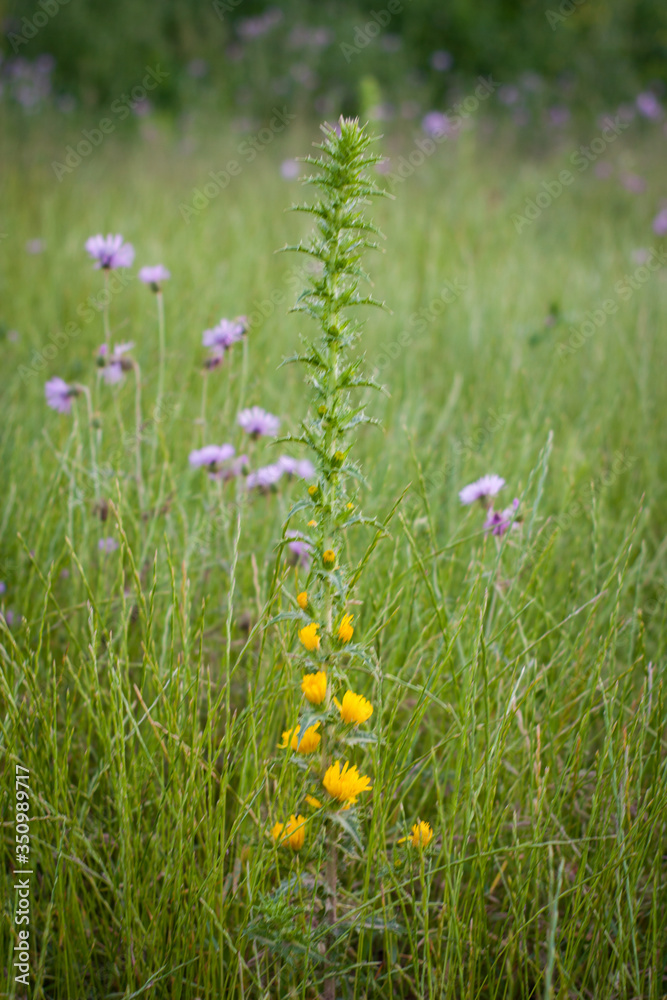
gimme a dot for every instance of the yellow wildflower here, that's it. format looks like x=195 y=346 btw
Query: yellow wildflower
x=309 y=637
x=292 y=833
x=421 y=834
x=312 y=524
x=302 y=600
x=345 y=630
x=346 y=784
x=329 y=558
x=355 y=708
x=309 y=742
x=312 y=801
x=349 y=506
x=314 y=686
x=313 y=489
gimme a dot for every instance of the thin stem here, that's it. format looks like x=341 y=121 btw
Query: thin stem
x=162 y=347
x=105 y=311
x=91 y=437
x=202 y=416
x=137 y=423
x=161 y=368
x=332 y=885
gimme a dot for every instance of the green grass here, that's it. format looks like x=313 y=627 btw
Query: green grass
x=519 y=699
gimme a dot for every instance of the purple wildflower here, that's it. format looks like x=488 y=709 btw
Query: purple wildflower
x=487 y=486
x=559 y=115
x=114 y=365
x=289 y=170
x=59 y=394
x=255 y=27
x=441 y=61
x=660 y=223
x=226 y=333
x=212 y=455
x=154 y=276
x=300 y=549
x=509 y=94
x=633 y=183
x=107 y=545
x=3 y=587
x=436 y=123
x=498 y=522
x=265 y=478
x=296 y=467
x=110 y=251
x=256 y=422
x=648 y=105
x=238 y=466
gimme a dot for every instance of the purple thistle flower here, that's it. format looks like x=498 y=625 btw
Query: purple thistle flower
x=238 y=466
x=660 y=223
x=296 y=467
x=441 y=61
x=436 y=123
x=290 y=170
x=487 y=486
x=110 y=251
x=256 y=421
x=107 y=545
x=300 y=549
x=649 y=105
x=226 y=333
x=154 y=276
x=114 y=365
x=59 y=394
x=633 y=183
x=211 y=455
x=265 y=478
x=498 y=522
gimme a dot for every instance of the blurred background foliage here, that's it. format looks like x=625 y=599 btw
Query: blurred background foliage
x=246 y=55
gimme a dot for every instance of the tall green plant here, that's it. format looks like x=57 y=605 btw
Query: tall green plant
x=329 y=727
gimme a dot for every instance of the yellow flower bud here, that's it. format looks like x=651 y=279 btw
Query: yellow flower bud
x=314 y=686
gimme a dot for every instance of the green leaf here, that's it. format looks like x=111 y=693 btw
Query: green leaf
x=346 y=821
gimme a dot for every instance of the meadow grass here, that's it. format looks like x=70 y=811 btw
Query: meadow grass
x=518 y=693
